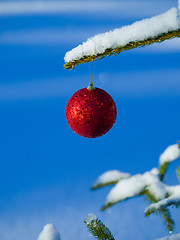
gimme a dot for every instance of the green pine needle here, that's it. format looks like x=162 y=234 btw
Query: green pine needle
x=166 y=215
x=168 y=220
x=178 y=173
x=162 y=170
x=149 y=197
x=94 y=187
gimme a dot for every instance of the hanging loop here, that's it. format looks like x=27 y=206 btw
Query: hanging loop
x=91 y=75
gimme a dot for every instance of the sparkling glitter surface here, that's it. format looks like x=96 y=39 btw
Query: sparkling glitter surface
x=91 y=113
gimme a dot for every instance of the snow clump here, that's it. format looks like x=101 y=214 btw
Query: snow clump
x=170 y=154
x=136 y=185
x=110 y=177
x=90 y=217
x=49 y=232
x=173 y=199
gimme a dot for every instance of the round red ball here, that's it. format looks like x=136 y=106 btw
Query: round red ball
x=91 y=113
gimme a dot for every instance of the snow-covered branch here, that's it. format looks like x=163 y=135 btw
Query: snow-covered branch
x=173 y=199
x=109 y=178
x=140 y=184
x=149 y=184
x=169 y=155
x=140 y=33
x=97 y=228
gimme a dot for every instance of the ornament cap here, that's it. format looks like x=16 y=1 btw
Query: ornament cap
x=91 y=86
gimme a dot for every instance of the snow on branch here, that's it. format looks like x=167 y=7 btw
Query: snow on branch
x=140 y=33
x=109 y=178
x=173 y=199
x=140 y=184
x=169 y=155
x=149 y=184
x=97 y=228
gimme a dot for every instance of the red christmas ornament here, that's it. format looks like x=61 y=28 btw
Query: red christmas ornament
x=91 y=112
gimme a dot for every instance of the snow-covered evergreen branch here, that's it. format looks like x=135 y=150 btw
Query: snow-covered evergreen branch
x=109 y=178
x=172 y=199
x=149 y=184
x=141 y=33
x=97 y=228
x=169 y=155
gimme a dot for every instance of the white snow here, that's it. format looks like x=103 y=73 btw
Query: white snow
x=137 y=31
x=135 y=185
x=172 y=237
x=170 y=154
x=126 y=188
x=129 y=186
x=174 y=198
x=153 y=184
x=49 y=232
x=90 y=217
x=110 y=176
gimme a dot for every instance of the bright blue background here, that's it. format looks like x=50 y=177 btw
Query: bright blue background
x=46 y=169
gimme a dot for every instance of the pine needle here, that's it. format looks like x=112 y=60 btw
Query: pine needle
x=163 y=169
x=94 y=187
x=166 y=215
x=168 y=220
x=178 y=173
x=179 y=144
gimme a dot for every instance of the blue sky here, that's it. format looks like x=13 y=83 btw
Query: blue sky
x=46 y=169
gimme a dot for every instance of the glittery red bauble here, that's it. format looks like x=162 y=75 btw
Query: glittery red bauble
x=91 y=113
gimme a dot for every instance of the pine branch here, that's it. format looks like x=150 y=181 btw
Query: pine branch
x=97 y=228
x=168 y=220
x=137 y=185
x=129 y=46
x=149 y=185
x=164 y=212
x=170 y=154
x=163 y=169
x=178 y=173
x=166 y=215
x=109 y=178
x=149 y=197
x=105 y=206
x=163 y=204
x=109 y=204
x=94 y=187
